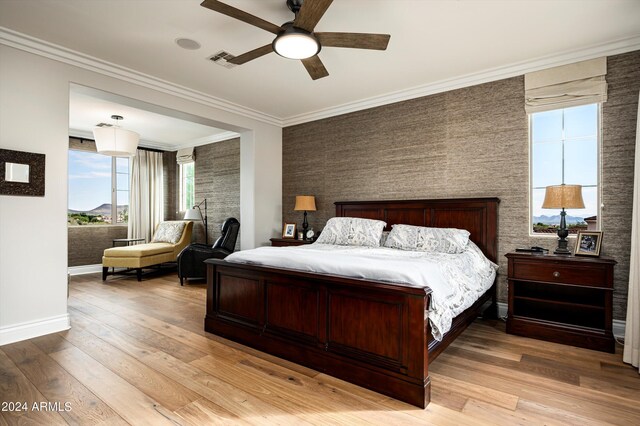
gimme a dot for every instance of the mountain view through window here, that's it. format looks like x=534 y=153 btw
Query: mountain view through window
x=98 y=189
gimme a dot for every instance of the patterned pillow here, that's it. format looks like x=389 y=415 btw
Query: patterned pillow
x=435 y=240
x=169 y=232
x=351 y=231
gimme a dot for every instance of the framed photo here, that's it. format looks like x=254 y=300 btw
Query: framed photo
x=588 y=243
x=289 y=230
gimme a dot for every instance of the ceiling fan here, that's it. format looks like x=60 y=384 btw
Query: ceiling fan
x=296 y=39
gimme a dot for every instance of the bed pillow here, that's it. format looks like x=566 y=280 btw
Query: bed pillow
x=435 y=240
x=169 y=232
x=352 y=231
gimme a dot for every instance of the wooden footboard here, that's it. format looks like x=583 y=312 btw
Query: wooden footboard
x=368 y=333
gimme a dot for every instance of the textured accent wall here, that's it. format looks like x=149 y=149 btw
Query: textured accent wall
x=471 y=142
x=86 y=243
x=619 y=116
x=217 y=178
x=170 y=175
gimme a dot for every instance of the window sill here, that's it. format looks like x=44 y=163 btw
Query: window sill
x=119 y=225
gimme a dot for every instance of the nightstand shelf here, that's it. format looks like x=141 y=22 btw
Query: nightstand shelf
x=563 y=299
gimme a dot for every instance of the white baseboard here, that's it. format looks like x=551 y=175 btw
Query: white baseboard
x=502 y=310
x=84 y=269
x=29 y=330
x=618 y=325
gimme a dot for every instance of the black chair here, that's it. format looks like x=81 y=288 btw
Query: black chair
x=191 y=259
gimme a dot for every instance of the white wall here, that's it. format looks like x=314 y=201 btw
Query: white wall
x=34 y=105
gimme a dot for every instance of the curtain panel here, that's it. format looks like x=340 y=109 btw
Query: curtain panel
x=631 y=352
x=146 y=209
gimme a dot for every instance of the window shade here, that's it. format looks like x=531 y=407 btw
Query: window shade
x=570 y=85
x=185 y=155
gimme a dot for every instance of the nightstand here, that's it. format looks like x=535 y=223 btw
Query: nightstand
x=286 y=242
x=563 y=299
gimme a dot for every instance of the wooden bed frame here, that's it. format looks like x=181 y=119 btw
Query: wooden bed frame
x=369 y=333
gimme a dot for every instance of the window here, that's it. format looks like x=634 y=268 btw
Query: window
x=565 y=149
x=98 y=189
x=187 y=173
x=121 y=169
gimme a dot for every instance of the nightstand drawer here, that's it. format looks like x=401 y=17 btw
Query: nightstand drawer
x=589 y=275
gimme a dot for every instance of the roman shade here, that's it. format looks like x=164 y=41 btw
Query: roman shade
x=570 y=85
x=185 y=155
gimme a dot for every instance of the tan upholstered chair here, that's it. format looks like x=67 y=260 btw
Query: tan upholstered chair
x=144 y=255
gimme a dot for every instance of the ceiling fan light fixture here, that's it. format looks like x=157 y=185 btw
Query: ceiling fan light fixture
x=296 y=43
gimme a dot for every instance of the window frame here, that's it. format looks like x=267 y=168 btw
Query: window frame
x=599 y=205
x=182 y=198
x=114 y=189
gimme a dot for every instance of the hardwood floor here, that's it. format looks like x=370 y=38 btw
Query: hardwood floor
x=137 y=354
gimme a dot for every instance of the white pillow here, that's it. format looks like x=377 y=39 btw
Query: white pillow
x=169 y=232
x=352 y=231
x=435 y=240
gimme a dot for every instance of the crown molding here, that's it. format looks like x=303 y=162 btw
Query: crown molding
x=58 y=53
x=219 y=137
x=595 y=51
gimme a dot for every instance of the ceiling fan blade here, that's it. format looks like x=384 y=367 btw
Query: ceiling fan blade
x=251 y=55
x=243 y=16
x=354 y=40
x=315 y=67
x=310 y=14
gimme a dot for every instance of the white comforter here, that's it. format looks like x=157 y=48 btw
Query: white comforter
x=456 y=280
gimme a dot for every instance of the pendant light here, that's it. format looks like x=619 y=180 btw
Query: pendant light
x=116 y=141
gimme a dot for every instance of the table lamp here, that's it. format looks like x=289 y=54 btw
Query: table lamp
x=305 y=203
x=563 y=197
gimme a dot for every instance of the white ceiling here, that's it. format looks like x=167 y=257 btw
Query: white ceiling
x=155 y=130
x=432 y=41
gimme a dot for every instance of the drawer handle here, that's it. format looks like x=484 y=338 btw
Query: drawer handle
x=556 y=274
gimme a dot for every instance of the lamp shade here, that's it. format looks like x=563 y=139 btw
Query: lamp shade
x=116 y=141
x=295 y=43
x=192 y=214
x=306 y=203
x=563 y=197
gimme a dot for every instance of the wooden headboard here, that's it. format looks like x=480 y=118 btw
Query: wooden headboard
x=479 y=216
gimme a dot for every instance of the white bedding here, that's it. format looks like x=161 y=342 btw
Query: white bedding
x=456 y=280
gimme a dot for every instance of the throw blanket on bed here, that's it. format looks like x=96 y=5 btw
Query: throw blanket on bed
x=456 y=280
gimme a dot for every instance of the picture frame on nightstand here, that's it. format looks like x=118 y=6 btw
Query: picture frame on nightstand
x=289 y=230
x=588 y=243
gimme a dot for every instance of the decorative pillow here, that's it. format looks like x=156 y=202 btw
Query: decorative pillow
x=169 y=232
x=352 y=231
x=435 y=240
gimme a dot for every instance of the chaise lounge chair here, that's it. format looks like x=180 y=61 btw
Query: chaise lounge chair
x=168 y=241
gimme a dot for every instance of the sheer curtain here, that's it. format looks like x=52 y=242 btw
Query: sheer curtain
x=146 y=209
x=632 y=330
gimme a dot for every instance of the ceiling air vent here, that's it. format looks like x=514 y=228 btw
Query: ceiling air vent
x=104 y=125
x=222 y=58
